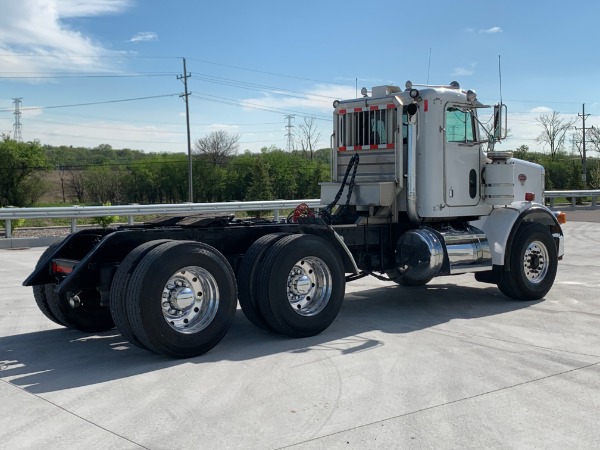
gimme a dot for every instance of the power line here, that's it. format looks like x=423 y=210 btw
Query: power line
x=266 y=72
x=229 y=101
x=18 y=77
x=31 y=108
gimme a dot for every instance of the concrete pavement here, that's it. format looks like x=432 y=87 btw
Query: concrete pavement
x=451 y=365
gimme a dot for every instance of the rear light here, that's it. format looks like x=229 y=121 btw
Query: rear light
x=63 y=266
x=529 y=197
x=561 y=217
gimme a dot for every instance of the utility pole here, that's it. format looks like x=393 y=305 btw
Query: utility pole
x=185 y=96
x=290 y=135
x=583 y=116
x=17 y=135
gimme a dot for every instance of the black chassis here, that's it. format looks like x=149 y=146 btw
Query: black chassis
x=98 y=252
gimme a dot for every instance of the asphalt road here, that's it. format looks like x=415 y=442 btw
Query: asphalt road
x=451 y=365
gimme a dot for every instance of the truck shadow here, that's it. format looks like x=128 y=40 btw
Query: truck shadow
x=58 y=359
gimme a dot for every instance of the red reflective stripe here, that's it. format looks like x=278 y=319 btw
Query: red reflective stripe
x=390 y=106
x=425 y=105
x=358 y=147
x=358 y=109
x=374 y=147
x=374 y=107
x=342 y=149
x=390 y=146
x=342 y=111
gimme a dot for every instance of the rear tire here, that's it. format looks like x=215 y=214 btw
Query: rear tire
x=39 y=291
x=247 y=278
x=181 y=298
x=533 y=264
x=302 y=285
x=88 y=317
x=118 y=290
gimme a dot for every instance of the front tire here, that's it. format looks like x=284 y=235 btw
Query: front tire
x=533 y=263
x=181 y=299
x=302 y=285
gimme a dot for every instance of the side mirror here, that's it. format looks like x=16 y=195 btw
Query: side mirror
x=500 y=122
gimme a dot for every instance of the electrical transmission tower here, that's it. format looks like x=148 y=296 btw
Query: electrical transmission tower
x=17 y=135
x=290 y=134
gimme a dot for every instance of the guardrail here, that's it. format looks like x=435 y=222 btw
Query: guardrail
x=573 y=195
x=130 y=211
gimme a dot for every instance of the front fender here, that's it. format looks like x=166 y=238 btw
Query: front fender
x=501 y=226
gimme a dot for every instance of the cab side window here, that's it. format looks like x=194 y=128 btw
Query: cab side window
x=459 y=125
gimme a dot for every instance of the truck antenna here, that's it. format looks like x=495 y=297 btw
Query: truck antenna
x=429 y=65
x=500 y=77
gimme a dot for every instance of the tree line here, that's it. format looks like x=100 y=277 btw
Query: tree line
x=103 y=174
x=120 y=176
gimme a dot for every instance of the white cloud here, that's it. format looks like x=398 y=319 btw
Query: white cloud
x=143 y=36
x=223 y=127
x=87 y=8
x=464 y=71
x=319 y=99
x=492 y=30
x=37 y=28
x=541 y=110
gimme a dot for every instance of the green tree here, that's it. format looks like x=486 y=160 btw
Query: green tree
x=104 y=184
x=21 y=164
x=260 y=186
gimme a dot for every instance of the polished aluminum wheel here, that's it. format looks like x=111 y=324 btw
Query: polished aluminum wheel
x=309 y=286
x=190 y=300
x=535 y=262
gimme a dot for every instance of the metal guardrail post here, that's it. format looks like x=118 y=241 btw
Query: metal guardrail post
x=8 y=228
x=73 y=225
x=551 y=202
x=594 y=200
x=130 y=220
x=573 y=202
x=276 y=215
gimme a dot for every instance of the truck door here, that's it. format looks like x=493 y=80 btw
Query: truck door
x=461 y=157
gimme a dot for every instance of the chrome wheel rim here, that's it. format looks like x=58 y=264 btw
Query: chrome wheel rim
x=535 y=262
x=190 y=299
x=309 y=286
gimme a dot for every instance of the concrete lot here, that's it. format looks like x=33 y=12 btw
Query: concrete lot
x=451 y=365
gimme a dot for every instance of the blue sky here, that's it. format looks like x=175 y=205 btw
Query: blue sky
x=253 y=62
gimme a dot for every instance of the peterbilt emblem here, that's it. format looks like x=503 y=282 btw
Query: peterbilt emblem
x=522 y=178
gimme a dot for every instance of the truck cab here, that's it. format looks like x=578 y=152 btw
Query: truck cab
x=428 y=164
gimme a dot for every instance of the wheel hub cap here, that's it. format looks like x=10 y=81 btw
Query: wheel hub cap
x=309 y=286
x=190 y=300
x=535 y=262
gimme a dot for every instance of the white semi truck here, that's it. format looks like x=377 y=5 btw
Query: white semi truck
x=413 y=195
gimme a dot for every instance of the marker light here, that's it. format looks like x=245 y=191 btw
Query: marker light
x=561 y=217
x=64 y=266
x=529 y=196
